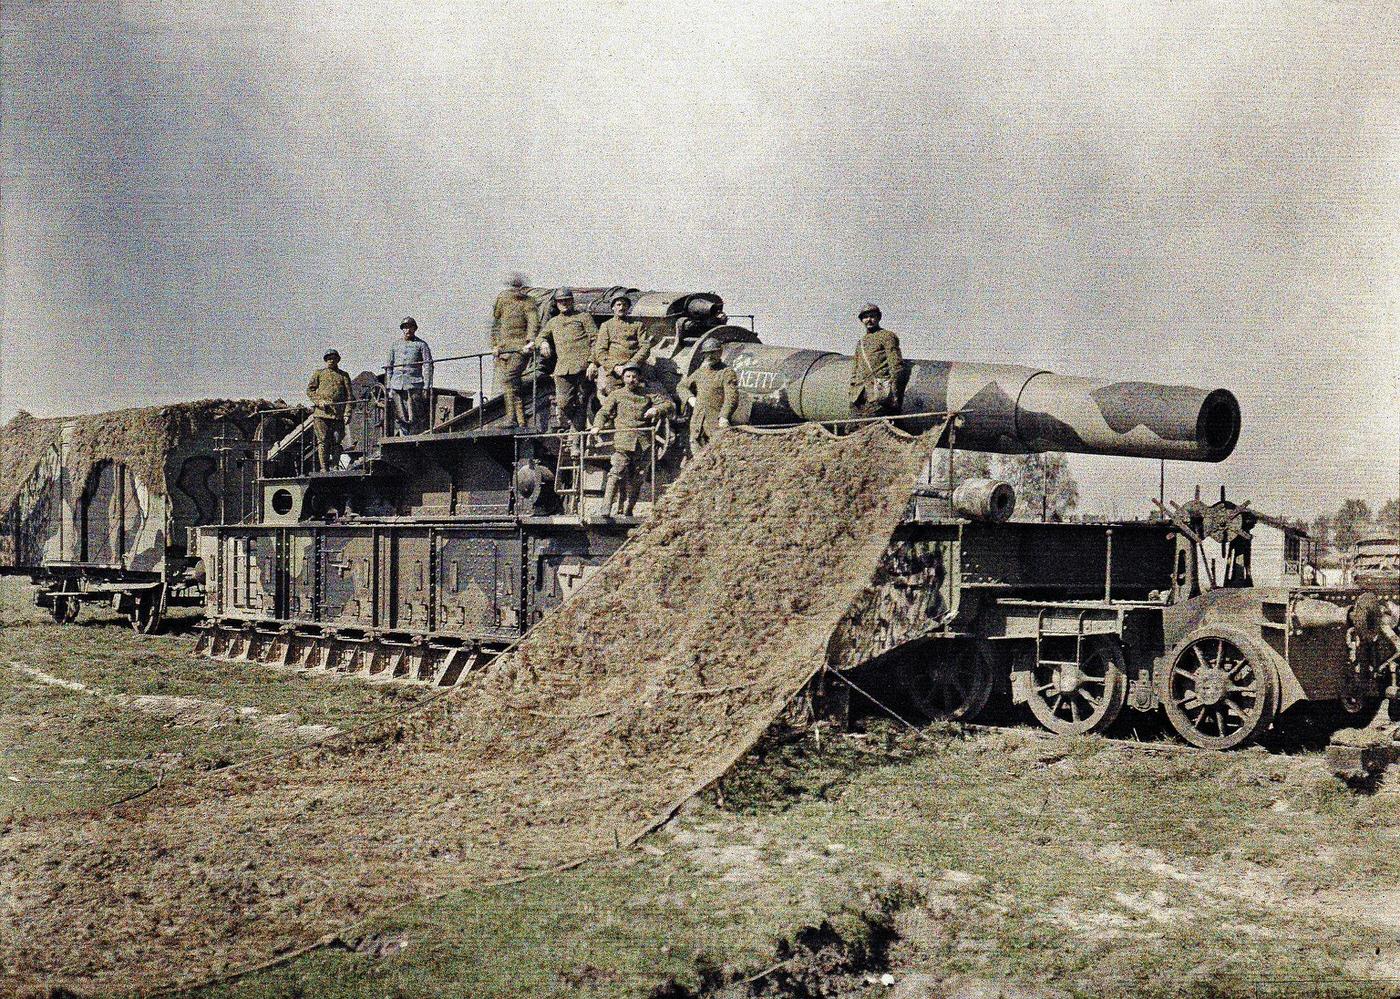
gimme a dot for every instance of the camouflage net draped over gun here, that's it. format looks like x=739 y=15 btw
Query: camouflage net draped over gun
x=642 y=689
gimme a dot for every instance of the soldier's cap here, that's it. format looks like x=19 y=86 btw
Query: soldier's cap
x=330 y=354
x=621 y=298
x=409 y=323
x=632 y=366
x=564 y=295
x=868 y=309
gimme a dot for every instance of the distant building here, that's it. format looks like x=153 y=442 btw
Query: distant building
x=1282 y=554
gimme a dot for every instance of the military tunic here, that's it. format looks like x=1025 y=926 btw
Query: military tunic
x=716 y=392
x=619 y=342
x=329 y=391
x=624 y=411
x=877 y=357
x=571 y=337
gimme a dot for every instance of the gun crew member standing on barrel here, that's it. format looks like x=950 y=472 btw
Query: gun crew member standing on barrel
x=515 y=322
x=876 y=368
x=329 y=393
x=629 y=411
x=619 y=344
x=408 y=376
x=714 y=392
x=569 y=336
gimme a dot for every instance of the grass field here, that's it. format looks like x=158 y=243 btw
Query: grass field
x=951 y=861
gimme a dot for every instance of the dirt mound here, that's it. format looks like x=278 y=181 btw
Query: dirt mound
x=142 y=438
x=646 y=686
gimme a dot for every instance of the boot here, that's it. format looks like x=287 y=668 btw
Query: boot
x=609 y=495
x=634 y=490
x=519 y=412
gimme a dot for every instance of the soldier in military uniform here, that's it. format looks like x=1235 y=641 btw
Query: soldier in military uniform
x=714 y=392
x=569 y=337
x=329 y=393
x=619 y=343
x=629 y=410
x=514 y=324
x=877 y=368
x=408 y=377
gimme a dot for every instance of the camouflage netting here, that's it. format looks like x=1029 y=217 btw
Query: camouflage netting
x=642 y=689
x=141 y=438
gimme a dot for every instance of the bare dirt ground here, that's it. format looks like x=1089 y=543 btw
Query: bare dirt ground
x=610 y=714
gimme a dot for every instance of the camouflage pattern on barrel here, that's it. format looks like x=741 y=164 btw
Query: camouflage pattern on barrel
x=1005 y=408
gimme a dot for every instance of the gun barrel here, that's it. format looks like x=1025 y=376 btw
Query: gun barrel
x=1005 y=408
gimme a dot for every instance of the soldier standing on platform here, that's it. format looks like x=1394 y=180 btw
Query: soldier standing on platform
x=408 y=377
x=714 y=392
x=619 y=344
x=514 y=323
x=630 y=412
x=569 y=337
x=876 y=369
x=329 y=393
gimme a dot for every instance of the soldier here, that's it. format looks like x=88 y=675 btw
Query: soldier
x=569 y=337
x=876 y=369
x=515 y=322
x=714 y=392
x=619 y=344
x=329 y=393
x=628 y=411
x=408 y=377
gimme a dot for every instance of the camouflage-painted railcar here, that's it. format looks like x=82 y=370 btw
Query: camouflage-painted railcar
x=98 y=508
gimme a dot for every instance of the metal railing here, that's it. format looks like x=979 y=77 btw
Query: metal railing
x=368 y=418
x=577 y=447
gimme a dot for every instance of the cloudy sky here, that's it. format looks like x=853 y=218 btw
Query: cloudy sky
x=198 y=198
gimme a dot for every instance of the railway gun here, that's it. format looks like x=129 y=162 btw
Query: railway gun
x=427 y=554
x=421 y=556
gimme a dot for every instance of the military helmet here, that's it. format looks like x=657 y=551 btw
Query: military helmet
x=709 y=345
x=632 y=366
x=331 y=353
x=869 y=309
x=564 y=295
x=408 y=323
x=620 y=297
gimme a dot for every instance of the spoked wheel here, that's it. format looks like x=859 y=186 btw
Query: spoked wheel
x=1220 y=688
x=948 y=679
x=1083 y=698
x=145 y=615
x=64 y=610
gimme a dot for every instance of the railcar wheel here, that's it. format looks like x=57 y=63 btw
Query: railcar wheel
x=145 y=616
x=64 y=610
x=948 y=679
x=1220 y=688
x=1077 y=700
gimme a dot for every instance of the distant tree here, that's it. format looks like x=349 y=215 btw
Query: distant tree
x=1045 y=488
x=972 y=465
x=1349 y=523
x=966 y=465
x=1321 y=533
x=1388 y=517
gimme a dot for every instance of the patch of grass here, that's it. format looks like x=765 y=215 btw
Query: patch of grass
x=63 y=749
